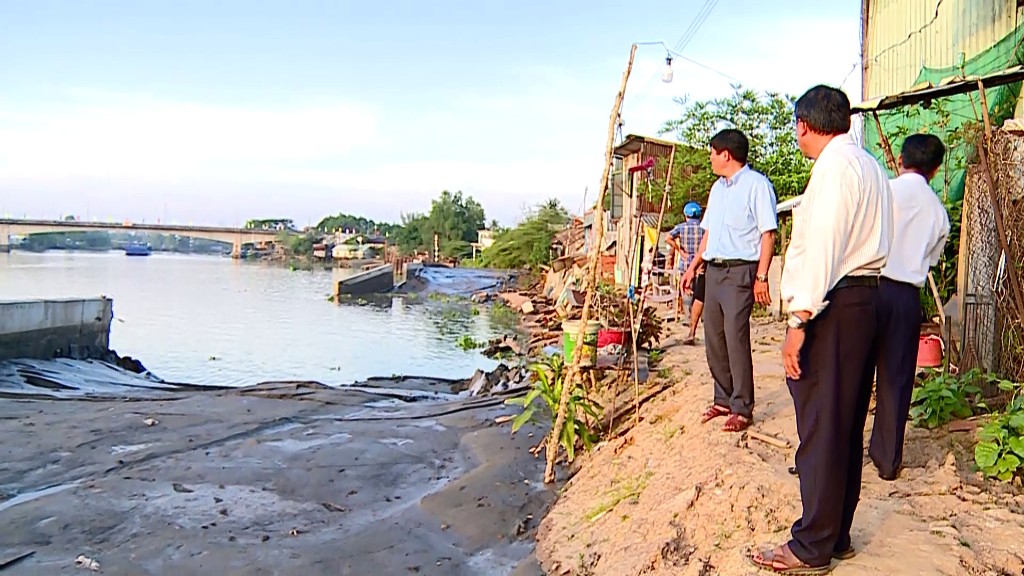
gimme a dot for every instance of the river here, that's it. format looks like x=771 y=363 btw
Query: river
x=216 y=321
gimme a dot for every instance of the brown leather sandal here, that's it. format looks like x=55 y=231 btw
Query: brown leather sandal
x=782 y=561
x=736 y=423
x=714 y=411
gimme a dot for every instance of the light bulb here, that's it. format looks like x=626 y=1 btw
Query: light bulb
x=666 y=76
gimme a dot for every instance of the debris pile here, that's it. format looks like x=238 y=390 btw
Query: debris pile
x=501 y=379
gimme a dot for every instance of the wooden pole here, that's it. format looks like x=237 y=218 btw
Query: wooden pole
x=591 y=276
x=865 y=21
x=984 y=110
x=886 y=145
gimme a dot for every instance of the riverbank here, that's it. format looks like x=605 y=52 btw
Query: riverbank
x=389 y=475
x=392 y=477
x=674 y=497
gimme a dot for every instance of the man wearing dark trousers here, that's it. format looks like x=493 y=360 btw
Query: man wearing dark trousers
x=920 y=229
x=842 y=232
x=737 y=245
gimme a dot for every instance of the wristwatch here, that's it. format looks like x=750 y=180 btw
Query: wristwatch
x=795 y=322
x=761 y=277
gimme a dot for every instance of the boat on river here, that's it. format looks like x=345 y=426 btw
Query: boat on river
x=137 y=250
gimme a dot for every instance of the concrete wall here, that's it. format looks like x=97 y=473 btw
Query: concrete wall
x=44 y=329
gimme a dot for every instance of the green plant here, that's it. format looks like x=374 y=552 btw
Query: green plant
x=466 y=342
x=943 y=397
x=999 y=453
x=630 y=491
x=650 y=327
x=503 y=317
x=581 y=413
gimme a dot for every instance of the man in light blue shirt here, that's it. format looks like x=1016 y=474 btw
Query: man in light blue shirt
x=737 y=245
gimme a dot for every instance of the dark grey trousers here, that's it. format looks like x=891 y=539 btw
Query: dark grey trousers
x=728 y=302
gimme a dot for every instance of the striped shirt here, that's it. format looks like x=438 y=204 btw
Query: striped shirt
x=688 y=234
x=842 y=227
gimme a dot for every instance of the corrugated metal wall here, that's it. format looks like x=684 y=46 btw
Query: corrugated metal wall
x=904 y=36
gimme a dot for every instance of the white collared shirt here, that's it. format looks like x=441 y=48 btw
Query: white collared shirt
x=842 y=227
x=920 y=229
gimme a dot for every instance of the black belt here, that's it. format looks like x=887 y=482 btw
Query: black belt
x=854 y=281
x=729 y=263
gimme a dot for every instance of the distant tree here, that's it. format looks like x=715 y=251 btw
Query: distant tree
x=359 y=224
x=270 y=224
x=528 y=244
x=456 y=220
x=296 y=244
x=410 y=235
x=766 y=119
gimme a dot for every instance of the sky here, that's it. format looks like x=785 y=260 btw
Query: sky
x=210 y=113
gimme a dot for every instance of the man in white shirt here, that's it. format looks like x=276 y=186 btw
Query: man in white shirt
x=920 y=229
x=841 y=235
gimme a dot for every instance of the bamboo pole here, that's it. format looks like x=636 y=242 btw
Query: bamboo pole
x=591 y=276
x=635 y=324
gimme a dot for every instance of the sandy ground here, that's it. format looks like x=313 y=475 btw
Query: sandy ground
x=674 y=497
x=290 y=481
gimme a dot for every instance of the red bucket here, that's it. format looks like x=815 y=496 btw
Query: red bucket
x=606 y=336
x=929 y=352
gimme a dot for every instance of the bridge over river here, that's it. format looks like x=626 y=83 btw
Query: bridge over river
x=237 y=237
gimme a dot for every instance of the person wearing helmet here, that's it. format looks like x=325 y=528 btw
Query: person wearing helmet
x=685 y=240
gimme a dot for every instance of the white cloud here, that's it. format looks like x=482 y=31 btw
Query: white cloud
x=129 y=137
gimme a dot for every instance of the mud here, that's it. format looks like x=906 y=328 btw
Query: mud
x=289 y=478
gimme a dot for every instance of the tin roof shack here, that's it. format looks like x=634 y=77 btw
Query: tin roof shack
x=913 y=44
x=969 y=314
x=641 y=168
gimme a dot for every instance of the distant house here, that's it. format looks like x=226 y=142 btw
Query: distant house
x=917 y=44
x=355 y=251
x=485 y=238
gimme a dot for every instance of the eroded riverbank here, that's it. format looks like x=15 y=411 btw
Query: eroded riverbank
x=275 y=479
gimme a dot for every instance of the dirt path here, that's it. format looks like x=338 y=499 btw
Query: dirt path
x=673 y=496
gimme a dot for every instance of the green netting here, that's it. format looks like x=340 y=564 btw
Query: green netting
x=945 y=116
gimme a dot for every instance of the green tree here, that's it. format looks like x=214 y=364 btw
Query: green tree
x=270 y=223
x=766 y=119
x=456 y=220
x=296 y=244
x=528 y=245
x=342 y=221
x=410 y=235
